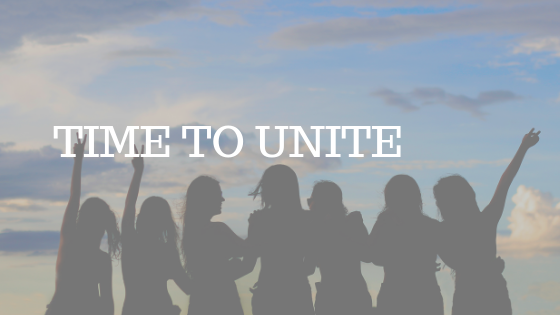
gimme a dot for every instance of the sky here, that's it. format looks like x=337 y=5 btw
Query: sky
x=465 y=80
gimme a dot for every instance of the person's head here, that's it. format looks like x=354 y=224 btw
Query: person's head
x=278 y=187
x=402 y=195
x=203 y=200
x=326 y=199
x=94 y=219
x=155 y=221
x=455 y=197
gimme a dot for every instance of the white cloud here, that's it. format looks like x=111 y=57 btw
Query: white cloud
x=496 y=64
x=534 y=225
x=549 y=44
x=56 y=73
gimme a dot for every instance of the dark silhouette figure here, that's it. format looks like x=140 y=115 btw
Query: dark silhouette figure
x=210 y=250
x=279 y=235
x=83 y=270
x=468 y=240
x=337 y=247
x=149 y=255
x=404 y=241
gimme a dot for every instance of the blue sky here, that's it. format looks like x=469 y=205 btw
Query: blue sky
x=464 y=79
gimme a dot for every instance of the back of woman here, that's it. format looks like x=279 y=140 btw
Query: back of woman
x=83 y=270
x=210 y=250
x=337 y=247
x=146 y=269
x=404 y=242
x=150 y=255
x=469 y=239
x=77 y=289
x=342 y=289
x=279 y=235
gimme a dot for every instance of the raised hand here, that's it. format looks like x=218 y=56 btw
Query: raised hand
x=79 y=147
x=530 y=139
x=138 y=162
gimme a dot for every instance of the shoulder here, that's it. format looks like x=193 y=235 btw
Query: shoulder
x=355 y=216
x=221 y=227
x=257 y=215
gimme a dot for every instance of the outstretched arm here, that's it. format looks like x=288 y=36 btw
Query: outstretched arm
x=130 y=204
x=495 y=208
x=71 y=213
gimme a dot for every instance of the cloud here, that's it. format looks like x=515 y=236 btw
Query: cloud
x=548 y=291
x=531 y=21
x=430 y=96
x=142 y=52
x=395 y=99
x=496 y=64
x=36 y=242
x=43 y=174
x=218 y=16
x=423 y=3
x=65 y=21
x=422 y=164
x=16 y=205
x=534 y=225
x=546 y=44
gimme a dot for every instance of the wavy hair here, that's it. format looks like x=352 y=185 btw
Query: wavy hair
x=96 y=215
x=155 y=219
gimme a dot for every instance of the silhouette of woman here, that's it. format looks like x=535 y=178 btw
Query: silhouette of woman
x=83 y=270
x=149 y=256
x=404 y=241
x=468 y=240
x=337 y=248
x=279 y=235
x=208 y=249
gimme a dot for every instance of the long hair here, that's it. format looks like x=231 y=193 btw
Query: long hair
x=327 y=196
x=199 y=193
x=402 y=195
x=278 y=187
x=455 y=197
x=95 y=218
x=155 y=220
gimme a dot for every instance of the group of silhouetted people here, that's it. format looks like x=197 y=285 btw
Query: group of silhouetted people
x=291 y=243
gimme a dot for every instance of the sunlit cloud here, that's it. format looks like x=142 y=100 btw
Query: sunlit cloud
x=534 y=225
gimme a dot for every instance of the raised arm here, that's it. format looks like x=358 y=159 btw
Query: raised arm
x=495 y=208
x=130 y=204
x=71 y=212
